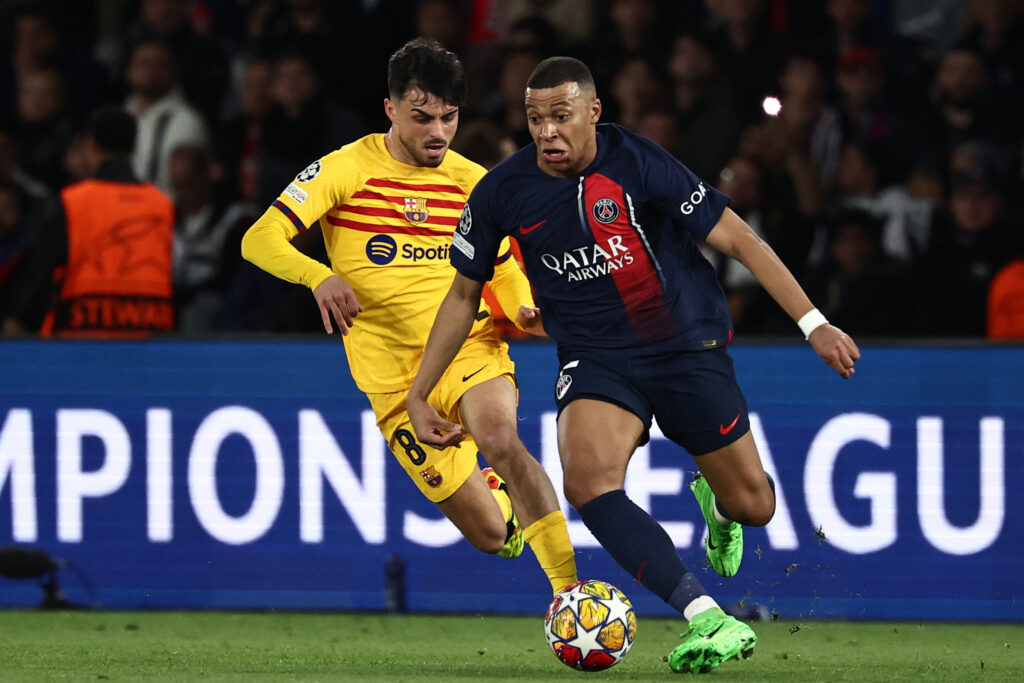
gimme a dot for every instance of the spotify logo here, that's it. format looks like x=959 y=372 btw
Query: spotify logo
x=381 y=249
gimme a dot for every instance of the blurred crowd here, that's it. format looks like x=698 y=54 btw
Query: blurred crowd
x=877 y=145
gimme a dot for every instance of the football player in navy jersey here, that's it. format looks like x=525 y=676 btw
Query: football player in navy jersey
x=609 y=225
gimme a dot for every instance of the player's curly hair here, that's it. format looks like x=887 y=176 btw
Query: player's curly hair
x=425 y=64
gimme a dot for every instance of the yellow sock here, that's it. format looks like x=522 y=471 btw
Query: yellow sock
x=549 y=539
x=504 y=502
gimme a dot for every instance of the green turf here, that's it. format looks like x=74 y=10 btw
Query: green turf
x=183 y=646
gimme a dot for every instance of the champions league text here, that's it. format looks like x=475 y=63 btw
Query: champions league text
x=209 y=474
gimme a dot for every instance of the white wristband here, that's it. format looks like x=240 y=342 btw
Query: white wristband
x=811 y=320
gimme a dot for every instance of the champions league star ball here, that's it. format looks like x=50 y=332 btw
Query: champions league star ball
x=590 y=625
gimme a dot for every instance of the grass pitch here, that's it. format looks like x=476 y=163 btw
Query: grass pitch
x=186 y=646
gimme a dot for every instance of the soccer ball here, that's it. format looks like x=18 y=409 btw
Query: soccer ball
x=590 y=625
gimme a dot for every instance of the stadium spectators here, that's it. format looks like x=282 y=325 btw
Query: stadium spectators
x=42 y=126
x=706 y=105
x=875 y=96
x=207 y=234
x=166 y=119
x=857 y=284
x=637 y=87
x=100 y=264
x=14 y=211
x=303 y=120
x=906 y=219
x=241 y=131
x=777 y=222
x=1006 y=303
x=971 y=240
x=747 y=51
x=200 y=61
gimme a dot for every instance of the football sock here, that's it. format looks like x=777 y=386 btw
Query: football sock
x=548 y=537
x=504 y=502
x=723 y=518
x=689 y=597
x=641 y=547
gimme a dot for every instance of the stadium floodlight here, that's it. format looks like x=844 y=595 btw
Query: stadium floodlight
x=32 y=563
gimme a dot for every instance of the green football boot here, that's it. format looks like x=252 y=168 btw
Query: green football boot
x=712 y=638
x=514 y=542
x=724 y=545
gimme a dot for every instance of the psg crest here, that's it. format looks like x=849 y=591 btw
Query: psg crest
x=562 y=385
x=606 y=210
x=416 y=209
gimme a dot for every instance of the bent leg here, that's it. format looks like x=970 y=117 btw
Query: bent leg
x=738 y=479
x=476 y=513
x=596 y=440
x=450 y=477
x=488 y=411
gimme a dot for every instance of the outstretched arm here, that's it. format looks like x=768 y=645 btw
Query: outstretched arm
x=733 y=237
x=267 y=244
x=451 y=327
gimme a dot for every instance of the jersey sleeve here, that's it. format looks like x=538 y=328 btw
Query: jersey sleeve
x=311 y=194
x=477 y=237
x=317 y=189
x=267 y=244
x=509 y=285
x=679 y=193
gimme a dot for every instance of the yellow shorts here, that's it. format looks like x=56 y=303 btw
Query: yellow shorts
x=439 y=473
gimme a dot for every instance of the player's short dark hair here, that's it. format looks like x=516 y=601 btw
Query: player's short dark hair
x=113 y=129
x=425 y=64
x=554 y=71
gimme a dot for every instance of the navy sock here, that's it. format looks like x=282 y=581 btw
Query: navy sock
x=686 y=591
x=640 y=546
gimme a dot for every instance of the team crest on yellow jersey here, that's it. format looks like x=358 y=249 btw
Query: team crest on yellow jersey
x=432 y=477
x=416 y=209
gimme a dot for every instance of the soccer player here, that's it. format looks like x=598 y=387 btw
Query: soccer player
x=387 y=205
x=609 y=225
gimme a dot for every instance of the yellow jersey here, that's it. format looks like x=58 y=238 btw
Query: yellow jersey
x=388 y=228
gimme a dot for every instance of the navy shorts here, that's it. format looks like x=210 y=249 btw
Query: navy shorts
x=693 y=394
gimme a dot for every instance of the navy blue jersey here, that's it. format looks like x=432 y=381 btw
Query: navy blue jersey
x=611 y=252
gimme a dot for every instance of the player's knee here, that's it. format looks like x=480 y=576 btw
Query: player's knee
x=753 y=510
x=499 y=446
x=579 y=492
x=488 y=537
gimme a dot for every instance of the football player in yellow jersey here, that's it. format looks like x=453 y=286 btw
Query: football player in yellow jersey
x=388 y=206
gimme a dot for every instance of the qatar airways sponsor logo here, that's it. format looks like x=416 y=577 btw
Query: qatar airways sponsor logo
x=590 y=262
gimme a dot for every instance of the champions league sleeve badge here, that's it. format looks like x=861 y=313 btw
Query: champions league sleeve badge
x=465 y=220
x=310 y=172
x=460 y=242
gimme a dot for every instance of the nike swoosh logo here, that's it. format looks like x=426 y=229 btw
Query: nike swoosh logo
x=465 y=378
x=723 y=430
x=709 y=636
x=533 y=227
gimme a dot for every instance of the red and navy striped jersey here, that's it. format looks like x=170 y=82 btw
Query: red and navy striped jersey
x=612 y=252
